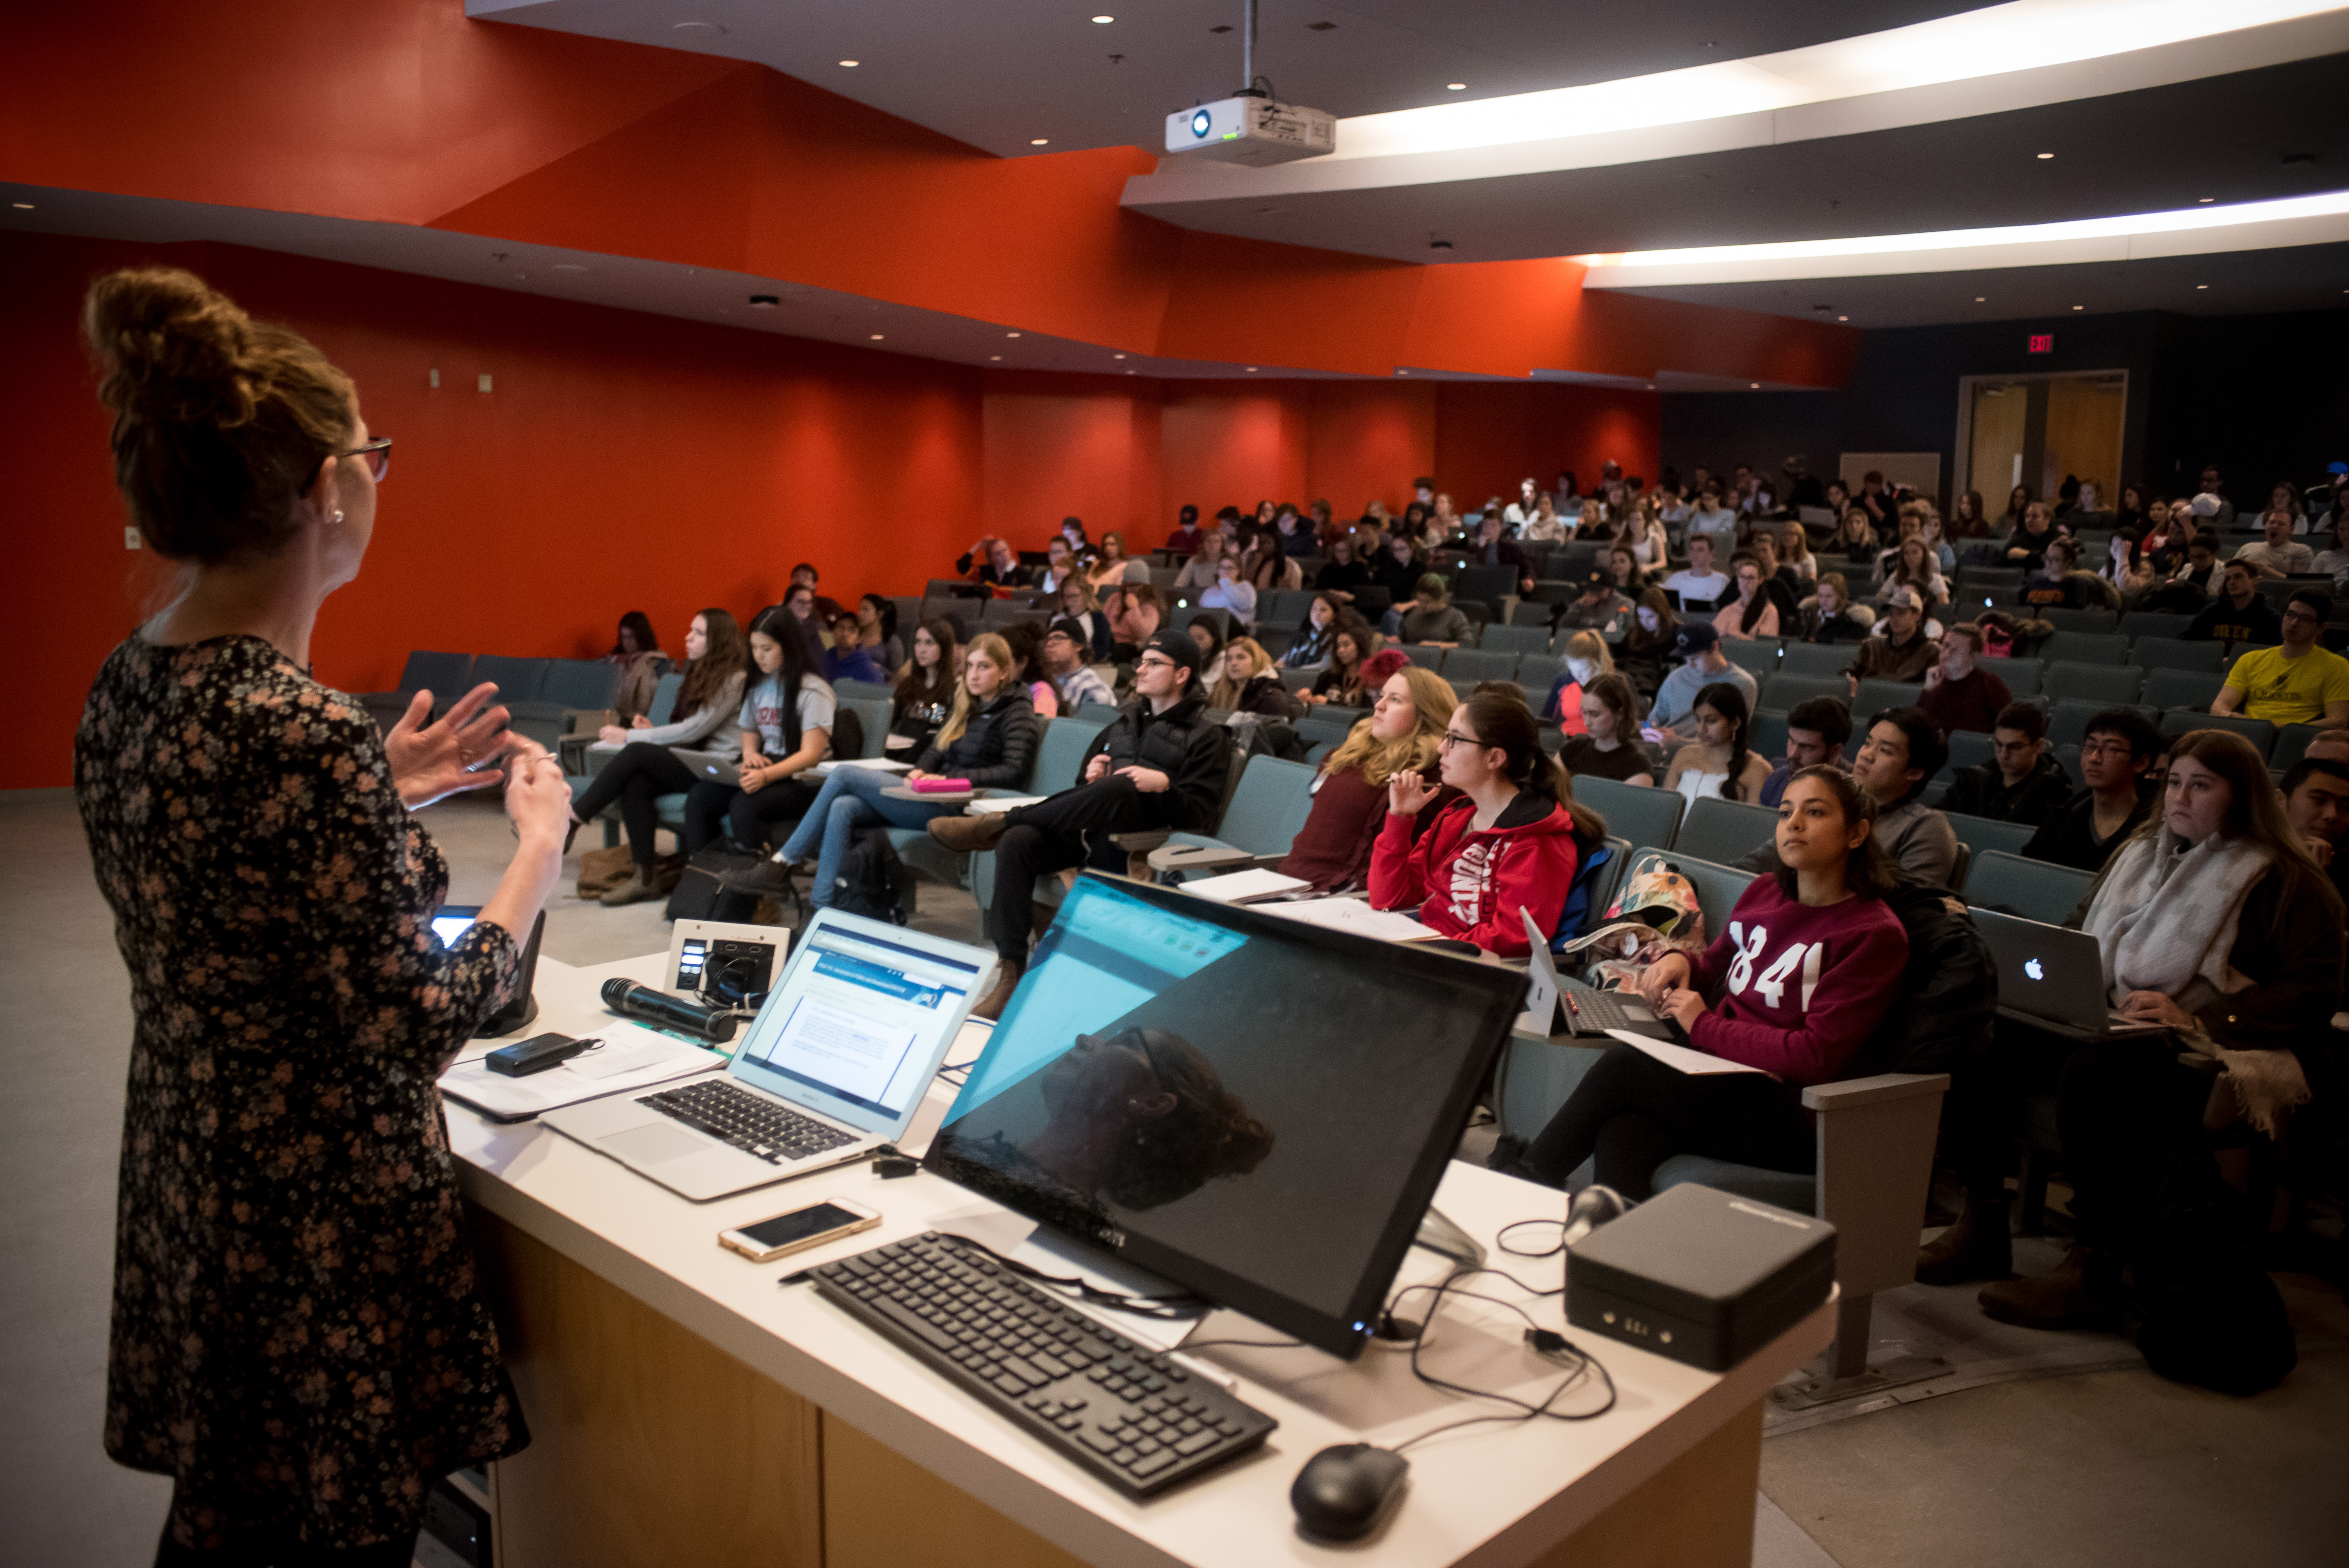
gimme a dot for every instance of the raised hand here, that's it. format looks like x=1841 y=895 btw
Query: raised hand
x=464 y=749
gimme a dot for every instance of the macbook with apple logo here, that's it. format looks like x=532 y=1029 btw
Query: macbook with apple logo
x=2052 y=977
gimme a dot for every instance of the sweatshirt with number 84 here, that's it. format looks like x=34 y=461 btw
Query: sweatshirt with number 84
x=1794 y=990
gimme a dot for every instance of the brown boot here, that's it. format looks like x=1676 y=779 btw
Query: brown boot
x=1980 y=1245
x=640 y=888
x=1007 y=980
x=2063 y=1298
x=969 y=835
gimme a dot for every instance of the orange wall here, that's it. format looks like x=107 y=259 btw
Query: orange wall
x=632 y=461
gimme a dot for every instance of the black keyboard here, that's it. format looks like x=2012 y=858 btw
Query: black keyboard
x=775 y=1133
x=1121 y=1409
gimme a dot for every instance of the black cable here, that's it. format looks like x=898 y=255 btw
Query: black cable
x=1502 y=1238
x=1583 y=1363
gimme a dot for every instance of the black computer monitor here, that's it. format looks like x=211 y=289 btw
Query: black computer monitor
x=451 y=921
x=1255 y=1108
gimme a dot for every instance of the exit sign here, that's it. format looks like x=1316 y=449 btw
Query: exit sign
x=2042 y=343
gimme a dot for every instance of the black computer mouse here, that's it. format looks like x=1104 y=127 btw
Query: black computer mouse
x=1345 y=1490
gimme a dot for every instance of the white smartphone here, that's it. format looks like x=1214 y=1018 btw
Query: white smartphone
x=799 y=1230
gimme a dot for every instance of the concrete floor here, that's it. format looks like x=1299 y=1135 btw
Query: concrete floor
x=2035 y=1456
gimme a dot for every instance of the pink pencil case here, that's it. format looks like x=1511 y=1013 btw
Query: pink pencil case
x=941 y=786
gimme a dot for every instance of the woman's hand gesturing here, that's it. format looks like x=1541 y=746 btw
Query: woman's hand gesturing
x=1407 y=793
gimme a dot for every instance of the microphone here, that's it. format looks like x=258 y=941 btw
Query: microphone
x=631 y=1000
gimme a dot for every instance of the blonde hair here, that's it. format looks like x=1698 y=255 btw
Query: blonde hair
x=1226 y=691
x=1076 y=579
x=997 y=652
x=1592 y=646
x=1432 y=701
x=221 y=422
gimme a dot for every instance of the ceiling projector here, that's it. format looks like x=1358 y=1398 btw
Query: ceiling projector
x=1251 y=128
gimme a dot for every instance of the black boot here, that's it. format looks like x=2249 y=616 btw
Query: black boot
x=2076 y=1293
x=1007 y=981
x=1980 y=1245
x=768 y=879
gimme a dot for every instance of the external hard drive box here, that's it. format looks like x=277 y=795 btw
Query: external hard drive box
x=1704 y=1277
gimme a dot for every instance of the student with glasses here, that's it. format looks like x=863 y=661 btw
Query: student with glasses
x=2116 y=755
x=2300 y=682
x=1511 y=845
x=1162 y=764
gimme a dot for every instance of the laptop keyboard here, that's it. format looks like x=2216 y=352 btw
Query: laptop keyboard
x=1121 y=1409
x=1596 y=1012
x=775 y=1133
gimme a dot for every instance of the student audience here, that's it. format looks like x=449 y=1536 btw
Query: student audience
x=988 y=741
x=1699 y=645
x=2116 y=752
x=1079 y=603
x=1187 y=536
x=1816 y=729
x=1828 y=617
x=1403 y=734
x=2297 y=682
x=1809 y=962
x=1433 y=617
x=1512 y=844
x=2022 y=782
x=638 y=654
x=2215 y=924
x=1608 y=744
x=1599 y=608
x=1114 y=566
x=1025 y=640
x=1202 y=570
x=2240 y=614
x=1248 y=683
x=2316 y=803
x=1066 y=657
x=926 y=685
x=876 y=620
x=1587 y=659
x=993 y=564
x=1900 y=648
x=1161 y=764
x=1755 y=611
x=1698 y=584
x=1902 y=751
x=717 y=668
x=1718 y=761
x=1231 y=592
x=2278 y=555
x=848 y=659
x=1350 y=645
x=1958 y=693
x=1341 y=574
x=1309 y=648
x=1134 y=618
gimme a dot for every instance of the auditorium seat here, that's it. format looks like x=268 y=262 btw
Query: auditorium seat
x=2085 y=648
x=2170 y=654
x=2023 y=677
x=2103 y=683
x=2258 y=731
x=2004 y=880
x=1647 y=817
x=1814 y=660
x=2197 y=689
x=1724 y=831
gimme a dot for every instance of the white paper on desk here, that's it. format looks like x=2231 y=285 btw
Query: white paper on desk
x=655 y=1058
x=996 y=804
x=1242 y=887
x=1697 y=1063
x=877 y=764
x=1355 y=915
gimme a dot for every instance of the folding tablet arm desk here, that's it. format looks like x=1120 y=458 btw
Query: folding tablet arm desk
x=684 y=1408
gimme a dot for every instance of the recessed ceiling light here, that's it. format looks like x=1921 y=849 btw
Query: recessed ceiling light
x=852 y=64
x=2202 y=200
x=2045 y=156
x=2201 y=285
x=26 y=206
x=1117 y=356
x=1455 y=87
x=877 y=337
x=1010 y=335
x=1753 y=385
x=1977 y=299
x=2079 y=307
x=1251 y=369
x=995 y=357
x=1104 y=21
x=1843 y=318
x=1406 y=372
x=1040 y=140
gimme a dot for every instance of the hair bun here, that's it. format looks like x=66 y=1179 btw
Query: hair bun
x=173 y=350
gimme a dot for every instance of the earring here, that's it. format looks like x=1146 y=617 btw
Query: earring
x=338 y=514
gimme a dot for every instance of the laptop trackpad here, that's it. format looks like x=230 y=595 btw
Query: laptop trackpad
x=655 y=1144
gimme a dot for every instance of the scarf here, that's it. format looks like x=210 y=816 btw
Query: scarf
x=2166 y=918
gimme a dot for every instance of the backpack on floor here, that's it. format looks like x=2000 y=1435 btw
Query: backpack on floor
x=873 y=881
x=2208 y=1312
x=697 y=896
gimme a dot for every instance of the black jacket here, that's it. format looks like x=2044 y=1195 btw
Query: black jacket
x=1983 y=791
x=2219 y=621
x=995 y=749
x=1194 y=754
x=2069 y=837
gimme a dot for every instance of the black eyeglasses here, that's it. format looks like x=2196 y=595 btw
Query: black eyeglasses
x=377 y=453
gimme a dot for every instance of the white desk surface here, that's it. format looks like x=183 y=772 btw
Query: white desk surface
x=1492 y=1495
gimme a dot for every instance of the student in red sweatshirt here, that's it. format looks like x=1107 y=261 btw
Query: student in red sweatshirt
x=1808 y=964
x=1511 y=843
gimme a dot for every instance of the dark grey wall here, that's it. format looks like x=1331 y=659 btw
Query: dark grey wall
x=2264 y=396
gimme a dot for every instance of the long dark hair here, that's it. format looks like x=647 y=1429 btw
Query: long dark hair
x=725 y=654
x=635 y=621
x=1668 y=624
x=783 y=626
x=1502 y=722
x=1725 y=698
x=1621 y=700
x=885 y=614
x=914 y=689
x=1868 y=871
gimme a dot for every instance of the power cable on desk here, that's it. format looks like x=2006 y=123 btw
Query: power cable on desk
x=1545 y=1342
x=1171 y=1308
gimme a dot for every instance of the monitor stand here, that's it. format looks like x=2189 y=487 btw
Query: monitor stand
x=1440 y=1236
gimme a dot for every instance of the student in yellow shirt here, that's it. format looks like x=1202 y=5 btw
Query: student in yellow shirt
x=2298 y=682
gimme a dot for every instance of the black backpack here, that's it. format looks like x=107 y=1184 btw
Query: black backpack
x=2208 y=1312
x=873 y=881
x=698 y=895
x=1948 y=999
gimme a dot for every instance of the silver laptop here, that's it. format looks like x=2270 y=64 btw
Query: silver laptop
x=1587 y=1012
x=2051 y=973
x=834 y=1065
x=725 y=770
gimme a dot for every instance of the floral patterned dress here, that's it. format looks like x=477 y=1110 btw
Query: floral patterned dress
x=297 y=1339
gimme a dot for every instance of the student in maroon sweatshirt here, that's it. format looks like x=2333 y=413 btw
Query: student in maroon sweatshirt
x=1512 y=844
x=1809 y=962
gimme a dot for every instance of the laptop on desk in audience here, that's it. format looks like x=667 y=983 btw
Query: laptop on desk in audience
x=834 y=1065
x=725 y=770
x=2053 y=977
x=1589 y=1014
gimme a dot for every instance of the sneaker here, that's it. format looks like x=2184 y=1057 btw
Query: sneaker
x=970 y=835
x=768 y=879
